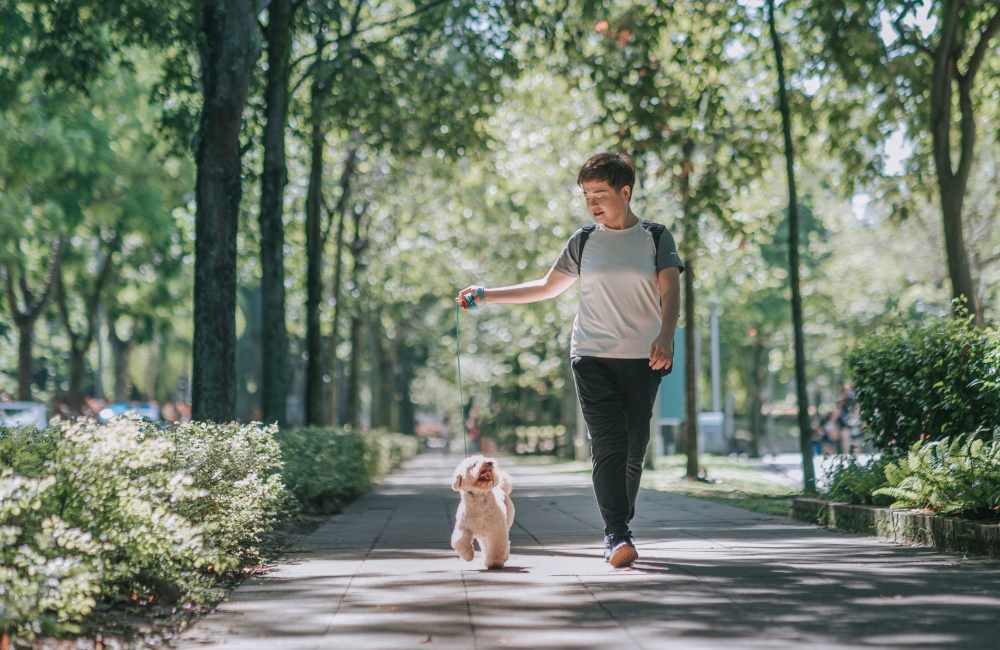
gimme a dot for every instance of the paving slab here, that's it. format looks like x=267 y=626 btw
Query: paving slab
x=382 y=575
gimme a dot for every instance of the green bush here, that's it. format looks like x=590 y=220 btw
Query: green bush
x=325 y=469
x=855 y=482
x=50 y=573
x=236 y=468
x=936 y=379
x=126 y=510
x=534 y=439
x=959 y=475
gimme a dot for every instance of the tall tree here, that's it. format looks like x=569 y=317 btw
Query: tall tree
x=392 y=77
x=228 y=50
x=80 y=340
x=274 y=348
x=805 y=429
x=26 y=311
x=911 y=58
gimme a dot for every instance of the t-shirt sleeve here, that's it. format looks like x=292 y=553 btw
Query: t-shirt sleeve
x=569 y=259
x=666 y=255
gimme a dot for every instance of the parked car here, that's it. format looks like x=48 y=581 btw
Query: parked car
x=24 y=414
x=145 y=410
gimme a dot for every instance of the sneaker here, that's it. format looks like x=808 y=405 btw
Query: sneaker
x=606 y=545
x=619 y=550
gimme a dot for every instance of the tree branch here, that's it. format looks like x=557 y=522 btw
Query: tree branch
x=55 y=265
x=64 y=312
x=345 y=189
x=11 y=295
x=102 y=279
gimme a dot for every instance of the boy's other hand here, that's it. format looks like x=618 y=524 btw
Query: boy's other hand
x=661 y=353
x=478 y=296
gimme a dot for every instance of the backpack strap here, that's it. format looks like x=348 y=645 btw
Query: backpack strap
x=584 y=235
x=655 y=230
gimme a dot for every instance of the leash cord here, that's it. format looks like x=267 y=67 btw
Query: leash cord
x=458 y=363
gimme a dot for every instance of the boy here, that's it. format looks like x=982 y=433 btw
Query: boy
x=623 y=334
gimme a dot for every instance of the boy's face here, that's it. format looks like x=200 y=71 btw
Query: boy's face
x=605 y=203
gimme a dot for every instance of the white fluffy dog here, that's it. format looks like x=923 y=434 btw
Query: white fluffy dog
x=485 y=511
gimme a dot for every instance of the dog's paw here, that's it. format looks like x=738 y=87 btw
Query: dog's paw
x=466 y=554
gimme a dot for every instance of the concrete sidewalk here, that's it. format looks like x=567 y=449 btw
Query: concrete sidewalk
x=381 y=575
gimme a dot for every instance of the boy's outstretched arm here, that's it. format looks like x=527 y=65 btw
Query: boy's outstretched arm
x=553 y=284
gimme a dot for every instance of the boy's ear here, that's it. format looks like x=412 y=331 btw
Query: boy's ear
x=457 y=483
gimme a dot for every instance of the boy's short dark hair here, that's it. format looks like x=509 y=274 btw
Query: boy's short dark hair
x=614 y=168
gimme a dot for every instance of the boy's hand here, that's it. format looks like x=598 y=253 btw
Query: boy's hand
x=661 y=353
x=471 y=295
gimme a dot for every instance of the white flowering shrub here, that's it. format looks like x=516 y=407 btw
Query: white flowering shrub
x=49 y=571
x=237 y=470
x=118 y=482
x=127 y=511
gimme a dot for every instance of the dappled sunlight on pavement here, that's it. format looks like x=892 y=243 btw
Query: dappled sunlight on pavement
x=382 y=575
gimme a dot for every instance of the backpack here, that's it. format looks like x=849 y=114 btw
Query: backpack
x=655 y=229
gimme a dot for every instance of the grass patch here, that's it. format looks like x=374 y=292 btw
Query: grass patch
x=732 y=481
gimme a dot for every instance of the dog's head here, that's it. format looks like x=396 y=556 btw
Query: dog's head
x=475 y=474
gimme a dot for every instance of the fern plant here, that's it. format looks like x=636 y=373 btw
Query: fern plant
x=959 y=475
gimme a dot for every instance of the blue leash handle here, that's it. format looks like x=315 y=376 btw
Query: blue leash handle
x=472 y=298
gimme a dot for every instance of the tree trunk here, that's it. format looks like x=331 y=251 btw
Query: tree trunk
x=758 y=364
x=24 y=317
x=314 y=250
x=381 y=374
x=407 y=412
x=121 y=349
x=274 y=339
x=228 y=52
x=77 y=365
x=953 y=180
x=343 y=207
x=25 y=338
x=353 y=415
x=691 y=360
x=358 y=247
x=805 y=431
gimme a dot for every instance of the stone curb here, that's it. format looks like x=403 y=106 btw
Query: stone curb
x=902 y=526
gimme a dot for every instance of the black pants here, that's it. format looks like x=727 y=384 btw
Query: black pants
x=616 y=396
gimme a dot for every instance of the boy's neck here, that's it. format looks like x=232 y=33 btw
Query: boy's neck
x=628 y=220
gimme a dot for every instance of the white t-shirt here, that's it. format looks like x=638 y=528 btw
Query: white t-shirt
x=619 y=313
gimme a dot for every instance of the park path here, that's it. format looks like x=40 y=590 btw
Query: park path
x=381 y=575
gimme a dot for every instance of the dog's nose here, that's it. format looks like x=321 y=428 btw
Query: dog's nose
x=487 y=463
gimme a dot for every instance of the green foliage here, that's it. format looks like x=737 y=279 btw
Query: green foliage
x=327 y=468
x=49 y=571
x=934 y=379
x=126 y=510
x=236 y=467
x=855 y=482
x=959 y=475
x=533 y=439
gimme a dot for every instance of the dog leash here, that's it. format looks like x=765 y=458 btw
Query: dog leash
x=458 y=362
x=471 y=301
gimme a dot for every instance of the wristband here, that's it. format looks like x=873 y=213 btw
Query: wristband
x=473 y=298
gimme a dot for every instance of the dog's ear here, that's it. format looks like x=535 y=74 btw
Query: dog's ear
x=457 y=483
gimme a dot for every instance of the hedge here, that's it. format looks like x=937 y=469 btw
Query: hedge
x=103 y=513
x=328 y=468
x=928 y=381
